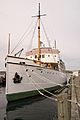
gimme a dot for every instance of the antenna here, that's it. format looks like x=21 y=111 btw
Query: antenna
x=9 y=44
x=55 y=44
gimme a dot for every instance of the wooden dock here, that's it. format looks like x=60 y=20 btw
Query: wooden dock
x=69 y=101
x=75 y=97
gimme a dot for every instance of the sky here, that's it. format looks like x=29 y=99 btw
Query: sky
x=62 y=23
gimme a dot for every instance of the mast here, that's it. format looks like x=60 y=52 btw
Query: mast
x=55 y=44
x=39 y=34
x=39 y=15
x=9 y=44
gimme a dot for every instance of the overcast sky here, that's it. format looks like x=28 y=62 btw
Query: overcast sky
x=62 y=24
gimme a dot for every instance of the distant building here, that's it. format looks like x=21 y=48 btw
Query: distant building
x=76 y=73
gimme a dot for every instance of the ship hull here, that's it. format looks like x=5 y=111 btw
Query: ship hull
x=28 y=94
x=33 y=78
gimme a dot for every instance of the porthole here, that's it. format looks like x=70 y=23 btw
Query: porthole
x=48 y=55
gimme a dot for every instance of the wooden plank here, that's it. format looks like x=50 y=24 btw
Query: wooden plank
x=63 y=107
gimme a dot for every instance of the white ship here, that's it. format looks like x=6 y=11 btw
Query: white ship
x=41 y=70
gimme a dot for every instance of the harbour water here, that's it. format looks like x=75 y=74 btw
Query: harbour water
x=37 y=108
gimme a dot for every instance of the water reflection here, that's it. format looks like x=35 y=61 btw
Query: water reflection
x=32 y=109
x=28 y=109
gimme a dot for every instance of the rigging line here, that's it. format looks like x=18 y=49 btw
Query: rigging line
x=22 y=36
x=44 y=78
x=33 y=35
x=45 y=33
x=47 y=39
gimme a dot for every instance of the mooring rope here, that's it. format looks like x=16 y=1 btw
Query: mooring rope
x=44 y=94
x=51 y=98
x=44 y=78
x=42 y=89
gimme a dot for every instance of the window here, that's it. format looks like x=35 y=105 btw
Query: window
x=43 y=56
x=40 y=56
x=35 y=56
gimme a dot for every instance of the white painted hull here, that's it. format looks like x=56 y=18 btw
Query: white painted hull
x=33 y=76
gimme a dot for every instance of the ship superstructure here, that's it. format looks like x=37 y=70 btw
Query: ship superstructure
x=49 y=57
